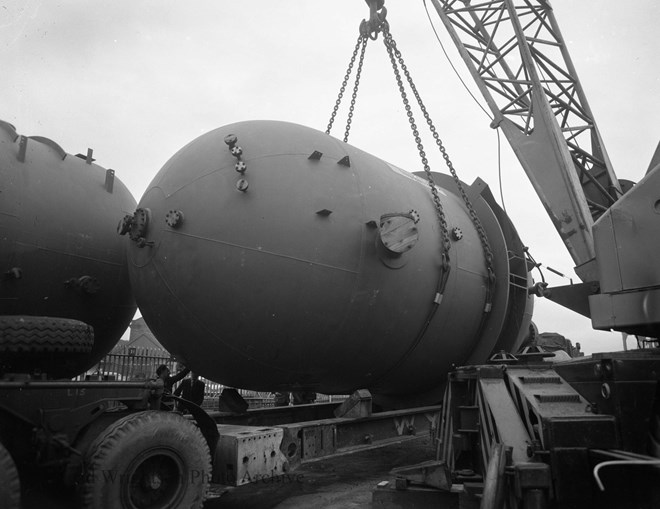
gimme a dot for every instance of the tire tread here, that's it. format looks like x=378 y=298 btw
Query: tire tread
x=10 y=489
x=40 y=334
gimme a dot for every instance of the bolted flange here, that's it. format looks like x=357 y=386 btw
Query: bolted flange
x=174 y=218
x=124 y=225
x=457 y=233
x=84 y=284
x=136 y=227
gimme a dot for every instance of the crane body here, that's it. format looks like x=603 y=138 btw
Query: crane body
x=518 y=59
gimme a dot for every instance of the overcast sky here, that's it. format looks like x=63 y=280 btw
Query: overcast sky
x=136 y=80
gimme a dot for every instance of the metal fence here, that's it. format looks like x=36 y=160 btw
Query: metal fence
x=134 y=364
x=140 y=364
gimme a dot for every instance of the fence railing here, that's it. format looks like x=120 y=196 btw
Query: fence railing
x=134 y=364
x=137 y=363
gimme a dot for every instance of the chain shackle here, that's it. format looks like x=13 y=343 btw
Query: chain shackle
x=377 y=15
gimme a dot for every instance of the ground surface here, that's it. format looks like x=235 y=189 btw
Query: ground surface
x=337 y=483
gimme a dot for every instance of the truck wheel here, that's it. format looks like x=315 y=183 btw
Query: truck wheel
x=10 y=486
x=44 y=334
x=654 y=428
x=149 y=459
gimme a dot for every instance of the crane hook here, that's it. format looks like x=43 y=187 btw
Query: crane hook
x=377 y=15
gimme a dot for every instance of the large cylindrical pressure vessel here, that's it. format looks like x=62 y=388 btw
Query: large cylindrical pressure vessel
x=271 y=256
x=61 y=261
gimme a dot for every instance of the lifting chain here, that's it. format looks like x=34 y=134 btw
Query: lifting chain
x=361 y=46
x=390 y=45
x=370 y=30
x=397 y=61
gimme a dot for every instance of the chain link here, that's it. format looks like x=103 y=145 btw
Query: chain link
x=397 y=60
x=360 y=46
x=358 y=73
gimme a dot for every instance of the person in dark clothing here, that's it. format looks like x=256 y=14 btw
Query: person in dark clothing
x=163 y=372
x=191 y=389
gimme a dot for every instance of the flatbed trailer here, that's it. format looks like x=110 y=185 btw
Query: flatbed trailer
x=110 y=443
x=580 y=433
